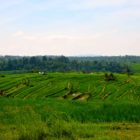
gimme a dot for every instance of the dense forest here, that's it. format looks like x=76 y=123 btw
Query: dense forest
x=120 y=64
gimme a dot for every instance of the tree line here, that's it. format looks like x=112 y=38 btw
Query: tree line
x=117 y=64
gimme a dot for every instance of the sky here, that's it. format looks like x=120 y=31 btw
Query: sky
x=69 y=27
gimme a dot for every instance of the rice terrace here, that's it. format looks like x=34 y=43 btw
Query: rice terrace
x=69 y=69
x=42 y=105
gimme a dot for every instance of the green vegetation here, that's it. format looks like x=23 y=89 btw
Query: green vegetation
x=69 y=106
x=93 y=86
x=136 y=67
x=60 y=119
x=119 y=64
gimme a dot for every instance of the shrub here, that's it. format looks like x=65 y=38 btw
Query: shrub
x=110 y=77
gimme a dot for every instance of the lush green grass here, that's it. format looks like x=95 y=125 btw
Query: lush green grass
x=69 y=106
x=60 y=119
x=78 y=111
x=135 y=67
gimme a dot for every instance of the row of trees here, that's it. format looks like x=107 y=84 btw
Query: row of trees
x=62 y=64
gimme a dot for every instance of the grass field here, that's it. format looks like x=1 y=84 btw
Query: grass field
x=69 y=106
x=136 y=67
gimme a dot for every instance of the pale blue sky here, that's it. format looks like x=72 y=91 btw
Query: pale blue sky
x=70 y=27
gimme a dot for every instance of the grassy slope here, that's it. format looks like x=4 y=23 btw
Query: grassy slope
x=60 y=119
x=39 y=111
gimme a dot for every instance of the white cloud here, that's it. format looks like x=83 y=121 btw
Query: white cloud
x=30 y=38
x=18 y=33
x=113 y=42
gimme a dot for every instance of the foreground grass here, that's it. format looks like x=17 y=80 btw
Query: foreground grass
x=33 y=119
x=71 y=131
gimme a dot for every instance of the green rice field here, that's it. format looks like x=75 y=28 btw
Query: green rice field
x=69 y=106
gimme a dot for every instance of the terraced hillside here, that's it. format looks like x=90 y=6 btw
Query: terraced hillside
x=69 y=106
x=70 y=86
